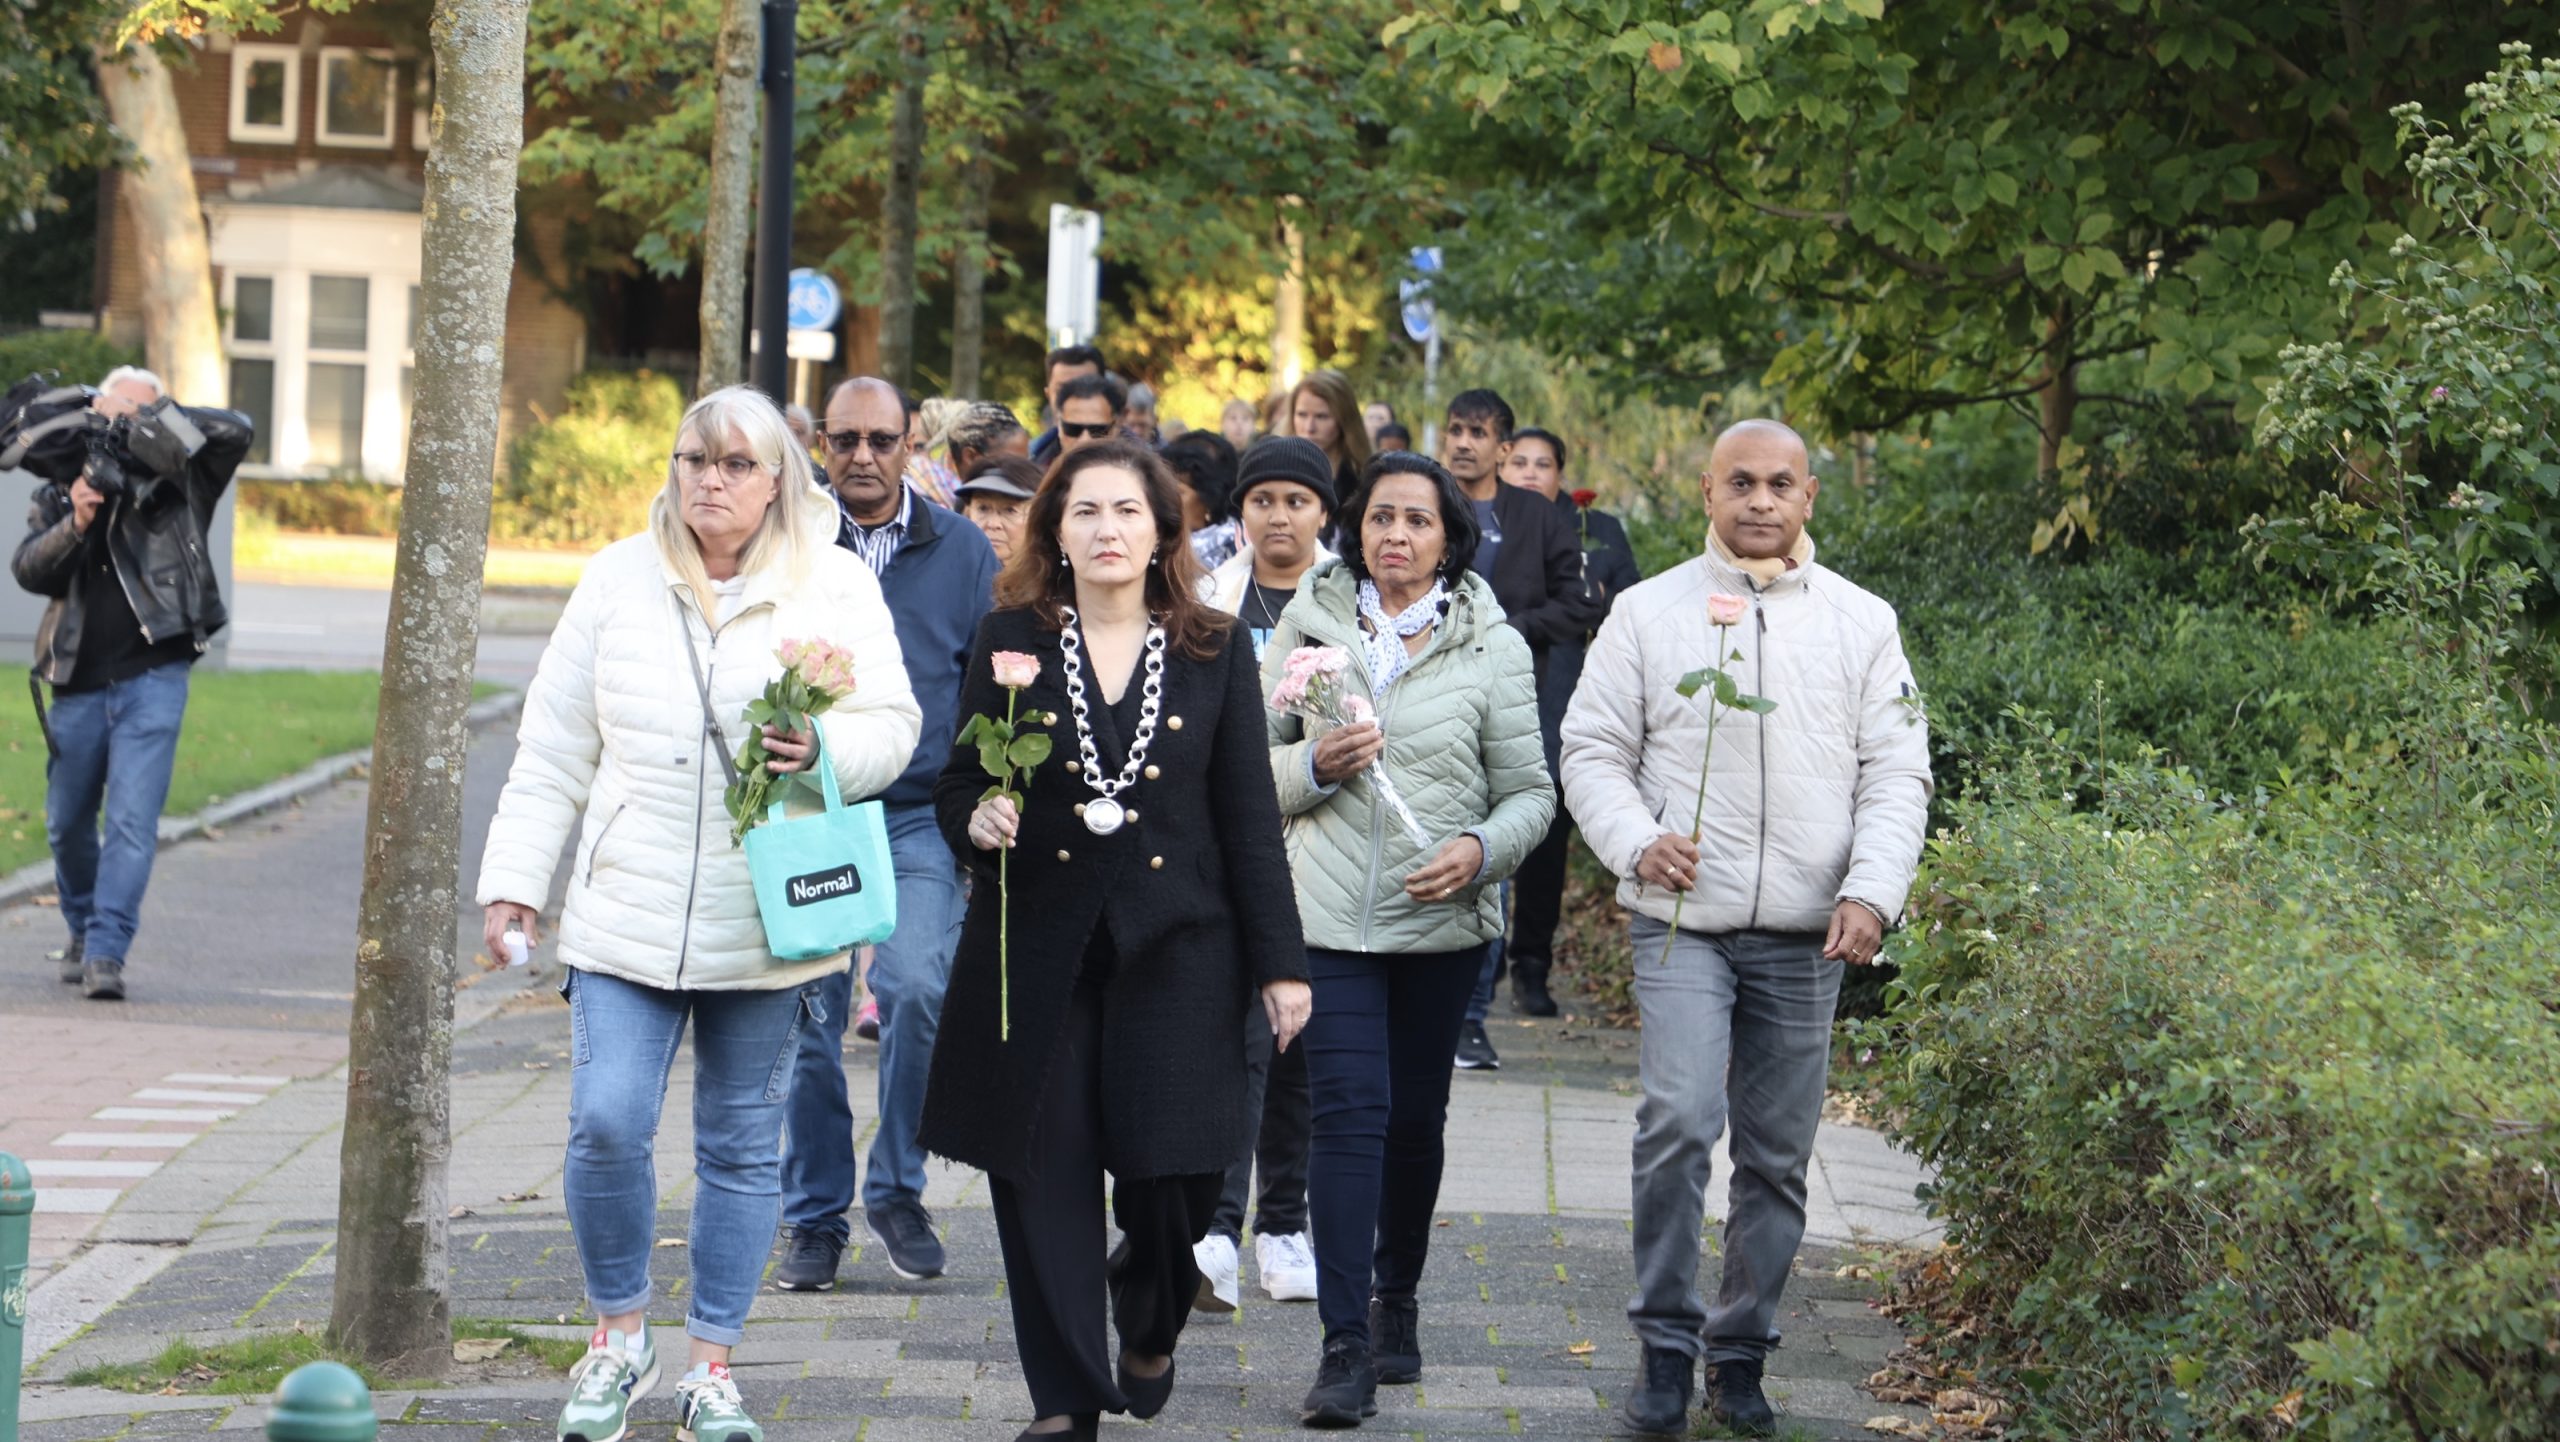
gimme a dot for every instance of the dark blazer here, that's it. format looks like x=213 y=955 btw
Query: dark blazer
x=1609 y=569
x=939 y=584
x=1537 y=575
x=1196 y=893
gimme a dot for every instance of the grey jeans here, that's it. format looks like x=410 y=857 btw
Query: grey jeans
x=1739 y=1021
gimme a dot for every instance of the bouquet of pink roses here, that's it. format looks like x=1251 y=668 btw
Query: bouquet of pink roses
x=816 y=674
x=1312 y=687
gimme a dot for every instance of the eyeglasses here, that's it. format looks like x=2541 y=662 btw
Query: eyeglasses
x=1082 y=432
x=733 y=469
x=845 y=443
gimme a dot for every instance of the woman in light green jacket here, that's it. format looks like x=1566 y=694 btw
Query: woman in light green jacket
x=1396 y=930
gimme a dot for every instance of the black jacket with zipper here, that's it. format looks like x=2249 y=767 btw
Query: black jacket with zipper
x=154 y=537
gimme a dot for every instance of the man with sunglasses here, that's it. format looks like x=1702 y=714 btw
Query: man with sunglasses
x=1066 y=363
x=938 y=575
x=1090 y=409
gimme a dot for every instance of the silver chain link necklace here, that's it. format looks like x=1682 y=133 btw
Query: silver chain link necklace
x=1107 y=815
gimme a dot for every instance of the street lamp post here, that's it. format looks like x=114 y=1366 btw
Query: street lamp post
x=773 y=201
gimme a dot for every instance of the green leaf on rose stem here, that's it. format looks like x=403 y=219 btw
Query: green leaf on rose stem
x=1726 y=692
x=1692 y=683
x=1758 y=705
x=969 y=733
x=991 y=758
x=991 y=793
x=1028 y=751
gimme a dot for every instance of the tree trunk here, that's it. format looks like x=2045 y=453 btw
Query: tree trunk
x=181 y=331
x=969 y=275
x=726 y=228
x=391 y=1306
x=1289 y=307
x=2060 y=398
x=898 y=206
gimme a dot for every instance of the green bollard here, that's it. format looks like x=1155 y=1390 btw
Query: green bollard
x=322 y=1402
x=17 y=1203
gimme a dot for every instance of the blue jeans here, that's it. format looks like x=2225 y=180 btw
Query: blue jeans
x=908 y=974
x=1378 y=1048
x=118 y=745
x=623 y=1037
x=1480 y=1002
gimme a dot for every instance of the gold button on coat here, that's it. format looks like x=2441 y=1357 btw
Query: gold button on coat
x=1073 y=767
x=1153 y=773
x=1174 y=722
x=1062 y=854
x=1156 y=862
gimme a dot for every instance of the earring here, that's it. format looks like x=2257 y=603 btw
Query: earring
x=1063 y=561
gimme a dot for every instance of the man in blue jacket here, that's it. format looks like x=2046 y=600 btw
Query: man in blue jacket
x=938 y=575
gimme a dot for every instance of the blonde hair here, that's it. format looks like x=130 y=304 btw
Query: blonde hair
x=791 y=523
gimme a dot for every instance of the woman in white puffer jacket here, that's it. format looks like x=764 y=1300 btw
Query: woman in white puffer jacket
x=660 y=926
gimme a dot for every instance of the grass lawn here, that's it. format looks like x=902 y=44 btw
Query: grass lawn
x=243 y=729
x=304 y=558
x=253 y=1367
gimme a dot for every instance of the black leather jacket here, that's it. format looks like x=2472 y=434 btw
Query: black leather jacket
x=155 y=535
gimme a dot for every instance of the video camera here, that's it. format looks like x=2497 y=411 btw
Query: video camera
x=49 y=430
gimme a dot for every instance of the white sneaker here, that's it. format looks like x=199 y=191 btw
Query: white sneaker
x=1288 y=1267
x=1216 y=1258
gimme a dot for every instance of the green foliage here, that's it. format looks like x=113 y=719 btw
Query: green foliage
x=586 y=476
x=337 y=508
x=1898 y=210
x=51 y=117
x=82 y=357
x=2435 y=403
x=2242 y=1113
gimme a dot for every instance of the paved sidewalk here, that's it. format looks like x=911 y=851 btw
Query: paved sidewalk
x=1523 y=1325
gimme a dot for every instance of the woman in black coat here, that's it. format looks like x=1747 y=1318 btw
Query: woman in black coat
x=1151 y=900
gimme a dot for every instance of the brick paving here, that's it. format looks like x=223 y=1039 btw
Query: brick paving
x=1523 y=1327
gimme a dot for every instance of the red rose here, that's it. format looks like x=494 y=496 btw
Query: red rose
x=1585 y=497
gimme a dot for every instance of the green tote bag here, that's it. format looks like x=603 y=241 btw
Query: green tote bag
x=824 y=881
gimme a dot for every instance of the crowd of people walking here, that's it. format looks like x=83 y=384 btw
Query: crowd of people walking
x=1298 y=728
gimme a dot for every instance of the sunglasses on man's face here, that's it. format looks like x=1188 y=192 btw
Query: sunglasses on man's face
x=1087 y=432
x=845 y=443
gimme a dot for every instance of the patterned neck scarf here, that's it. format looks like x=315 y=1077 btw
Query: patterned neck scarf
x=1387 y=634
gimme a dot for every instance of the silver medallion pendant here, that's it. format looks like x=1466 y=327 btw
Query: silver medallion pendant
x=1103 y=816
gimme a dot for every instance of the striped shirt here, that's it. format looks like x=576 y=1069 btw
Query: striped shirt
x=878 y=545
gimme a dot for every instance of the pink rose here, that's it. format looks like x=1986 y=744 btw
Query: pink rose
x=1286 y=696
x=1726 y=610
x=1016 y=669
x=791 y=653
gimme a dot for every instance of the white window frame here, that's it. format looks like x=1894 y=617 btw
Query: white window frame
x=235 y=349
x=244 y=58
x=369 y=407
x=293 y=244
x=354 y=55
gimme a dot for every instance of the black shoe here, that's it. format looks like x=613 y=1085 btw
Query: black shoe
x=1395 y=1346
x=1529 y=988
x=1660 y=1404
x=905 y=1230
x=68 y=960
x=1346 y=1388
x=1475 y=1049
x=1081 y=1427
x=810 y=1265
x=102 y=979
x=1147 y=1395
x=1738 y=1405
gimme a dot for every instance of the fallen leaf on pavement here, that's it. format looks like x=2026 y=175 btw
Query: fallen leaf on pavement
x=519 y=1196
x=1895 y=1427
x=458 y=1213
x=1581 y=1349
x=480 y=1349
x=537 y=1066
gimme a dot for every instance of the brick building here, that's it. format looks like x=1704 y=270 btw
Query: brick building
x=309 y=149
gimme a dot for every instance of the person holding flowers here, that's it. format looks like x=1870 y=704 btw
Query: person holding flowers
x=1433 y=691
x=1103 y=1028
x=668 y=640
x=1747 y=751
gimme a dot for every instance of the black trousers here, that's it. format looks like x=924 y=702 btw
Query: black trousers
x=1050 y=1224
x=1276 y=1134
x=1537 y=896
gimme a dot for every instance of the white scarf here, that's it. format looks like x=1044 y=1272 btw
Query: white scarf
x=1387 y=635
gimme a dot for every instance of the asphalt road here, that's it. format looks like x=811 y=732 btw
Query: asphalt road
x=256 y=927
x=335 y=628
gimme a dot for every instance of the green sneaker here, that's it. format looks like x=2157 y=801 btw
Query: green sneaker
x=712 y=1411
x=618 y=1370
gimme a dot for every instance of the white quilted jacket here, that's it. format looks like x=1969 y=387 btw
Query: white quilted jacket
x=1825 y=798
x=613 y=727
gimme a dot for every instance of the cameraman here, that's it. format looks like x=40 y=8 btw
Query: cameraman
x=121 y=550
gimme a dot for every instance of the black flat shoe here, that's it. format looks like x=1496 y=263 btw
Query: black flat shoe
x=1082 y=1427
x=1147 y=1395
